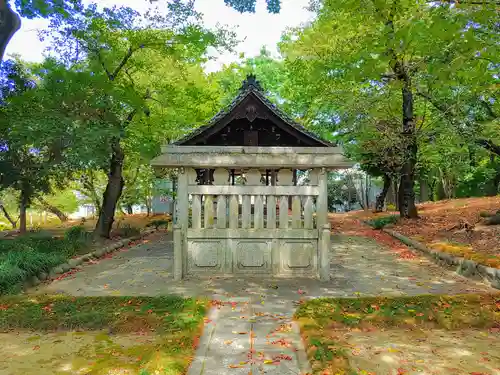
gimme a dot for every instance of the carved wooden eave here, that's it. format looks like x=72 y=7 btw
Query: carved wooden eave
x=251 y=111
x=252 y=104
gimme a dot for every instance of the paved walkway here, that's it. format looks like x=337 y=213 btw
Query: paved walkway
x=252 y=329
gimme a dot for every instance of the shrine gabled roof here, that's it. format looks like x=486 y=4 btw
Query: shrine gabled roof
x=252 y=86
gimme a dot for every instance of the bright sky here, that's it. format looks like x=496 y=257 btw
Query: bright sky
x=256 y=30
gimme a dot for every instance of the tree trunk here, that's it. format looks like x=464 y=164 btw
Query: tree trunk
x=367 y=195
x=494 y=185
x=424 y=190
x=113 y=191
x=379 y=204
x=130 y=209
x=23 y=205
x=8 y=217
x=56 y=211
x=10 y=22
x=407 y=208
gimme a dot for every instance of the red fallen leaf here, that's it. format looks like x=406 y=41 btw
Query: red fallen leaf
x=36 y=347
x=150 y=311
x=477 y=373
x=401 y=371
x=3 y=307
x=419 y=314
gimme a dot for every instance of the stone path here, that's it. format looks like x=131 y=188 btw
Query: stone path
x=359 y=266
x=252 y=330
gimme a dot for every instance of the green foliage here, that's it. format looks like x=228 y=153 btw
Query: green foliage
x=486 y=214
x=47 y=8
x=273 y=6
x=158 y=223
x=381 y=222
x=17 y=265
x=37 y=251
x=77 y=237
x=494 y=220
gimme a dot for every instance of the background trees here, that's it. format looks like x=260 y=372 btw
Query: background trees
x=409 y=88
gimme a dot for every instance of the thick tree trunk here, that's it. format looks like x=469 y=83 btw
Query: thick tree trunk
x=407 y=208
x=440 y=193
x=112 y=193
x=424 y=191
x=23 y=205
x=493 y=190
x=56 y=211
x=379 y=204
x=10 y=22
x=8 y=217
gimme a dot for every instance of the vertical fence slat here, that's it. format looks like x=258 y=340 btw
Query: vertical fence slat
x=208 y=214
x=271 y=211
x=233 y=212
x=296 y=212
x=258 y=212
x=246 y=212
x=308 y=213
x=196 y=212
x=284 y=212
x=221 y=211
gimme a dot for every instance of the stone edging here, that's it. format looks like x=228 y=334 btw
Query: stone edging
x=465 y=267
x=78 y=261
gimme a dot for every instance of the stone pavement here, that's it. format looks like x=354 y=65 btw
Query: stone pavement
x=359 y=266
x=252 y=330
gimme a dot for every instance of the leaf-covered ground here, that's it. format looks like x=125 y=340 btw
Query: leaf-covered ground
x=403 y=335
x=441 y=226
x=99 y=335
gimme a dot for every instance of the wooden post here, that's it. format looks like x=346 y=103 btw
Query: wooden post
x=324 y=252
x=322 y=201
x=180 y=245
x=177 y=252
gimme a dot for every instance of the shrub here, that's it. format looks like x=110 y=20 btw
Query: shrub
x=485 y=214
x=76 y=233
x=128 y=231
x=391 y=207
x=158 y=223
x=494 y=220
x=381 y=222
x=16 y=266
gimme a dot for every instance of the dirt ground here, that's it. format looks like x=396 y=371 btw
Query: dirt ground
x=415 y=352
x=58 y=228
x=439 y=222
x=70 y=353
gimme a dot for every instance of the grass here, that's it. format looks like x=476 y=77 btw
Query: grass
x=467 y=252
x=175 y=323
x=29 y=255
x=381 y=222
x=320 y=318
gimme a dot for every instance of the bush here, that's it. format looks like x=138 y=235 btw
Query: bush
x=128 y=231
x=381 y=222
x=391 y=207
x=485 y=214
x=158 y=223
x=16 y=266
x=494 y=220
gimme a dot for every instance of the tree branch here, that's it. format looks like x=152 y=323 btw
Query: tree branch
x=124 y=61
x=489 y=145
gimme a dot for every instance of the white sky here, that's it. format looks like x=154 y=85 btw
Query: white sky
x=256 y=30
